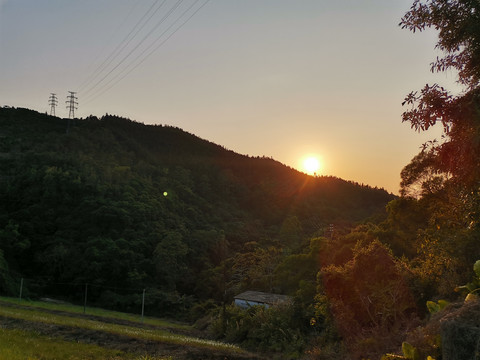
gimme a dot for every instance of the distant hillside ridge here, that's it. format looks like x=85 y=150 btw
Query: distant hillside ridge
x=167 y=146
x=112 y=200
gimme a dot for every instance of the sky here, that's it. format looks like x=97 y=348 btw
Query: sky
x=279 y=78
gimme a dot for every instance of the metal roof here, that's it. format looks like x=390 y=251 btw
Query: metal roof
x=262 y=297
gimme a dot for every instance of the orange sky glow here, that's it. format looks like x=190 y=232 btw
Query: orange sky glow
x=276 y=78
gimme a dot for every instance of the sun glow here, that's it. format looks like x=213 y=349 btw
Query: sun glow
x=311 y=165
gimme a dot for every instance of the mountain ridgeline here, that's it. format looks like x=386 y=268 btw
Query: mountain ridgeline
x=118 y=204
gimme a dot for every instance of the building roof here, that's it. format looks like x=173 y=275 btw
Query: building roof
x=261 y=297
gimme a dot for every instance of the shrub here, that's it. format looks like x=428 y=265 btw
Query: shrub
x=274 y=329
x=370 y=301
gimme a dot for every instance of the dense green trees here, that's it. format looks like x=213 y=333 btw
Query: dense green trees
x=118 y=204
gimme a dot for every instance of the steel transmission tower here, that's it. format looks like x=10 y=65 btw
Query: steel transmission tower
x=53 y=102
x=72 y=104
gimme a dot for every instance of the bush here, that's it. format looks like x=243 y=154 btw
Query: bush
x=7 y=285
x=275 y=329
x=369 y=299
x=157 y=303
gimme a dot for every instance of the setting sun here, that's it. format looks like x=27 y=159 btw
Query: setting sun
x=311 y=165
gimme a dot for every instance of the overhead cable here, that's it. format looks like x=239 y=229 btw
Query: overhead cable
x=126 y=41
x=119 y=63
x=90 y=78
x=158 y=42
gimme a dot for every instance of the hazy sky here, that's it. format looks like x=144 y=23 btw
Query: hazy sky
x=279 y=78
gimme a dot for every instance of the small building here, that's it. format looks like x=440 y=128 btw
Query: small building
x=251 y=298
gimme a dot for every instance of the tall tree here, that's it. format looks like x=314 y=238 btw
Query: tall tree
x=446 y=173
x=458 y=156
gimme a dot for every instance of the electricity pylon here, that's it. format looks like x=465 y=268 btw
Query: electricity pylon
x=72 y=104
x=52 y=101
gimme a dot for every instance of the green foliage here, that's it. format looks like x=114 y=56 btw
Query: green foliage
x=297 y=272
x=476 y=268
x=445 y=174
x=279 y=329
x=434 y=307
x=124 y=207
x=6 y=282
x=473 y=287
x=366 y=287
x=169 y=254
x=406 y=217
x=255 y=266
x=369 y=299
x=90 y=207
x=409 y=351
x=459 y=34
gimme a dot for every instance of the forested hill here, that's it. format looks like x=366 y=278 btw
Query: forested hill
x=115 y=201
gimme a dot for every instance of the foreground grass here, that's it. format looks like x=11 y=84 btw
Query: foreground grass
x=21 y=345
x=39 y=316
x=96 y=312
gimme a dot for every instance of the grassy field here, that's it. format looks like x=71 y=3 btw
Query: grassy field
x=20 y=345
x=75 y=309
x=44 y=331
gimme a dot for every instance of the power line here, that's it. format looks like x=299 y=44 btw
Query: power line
x=120 y=77
x=90 y=78
x=121 y=45
x=174 y=7
x=53 y=102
